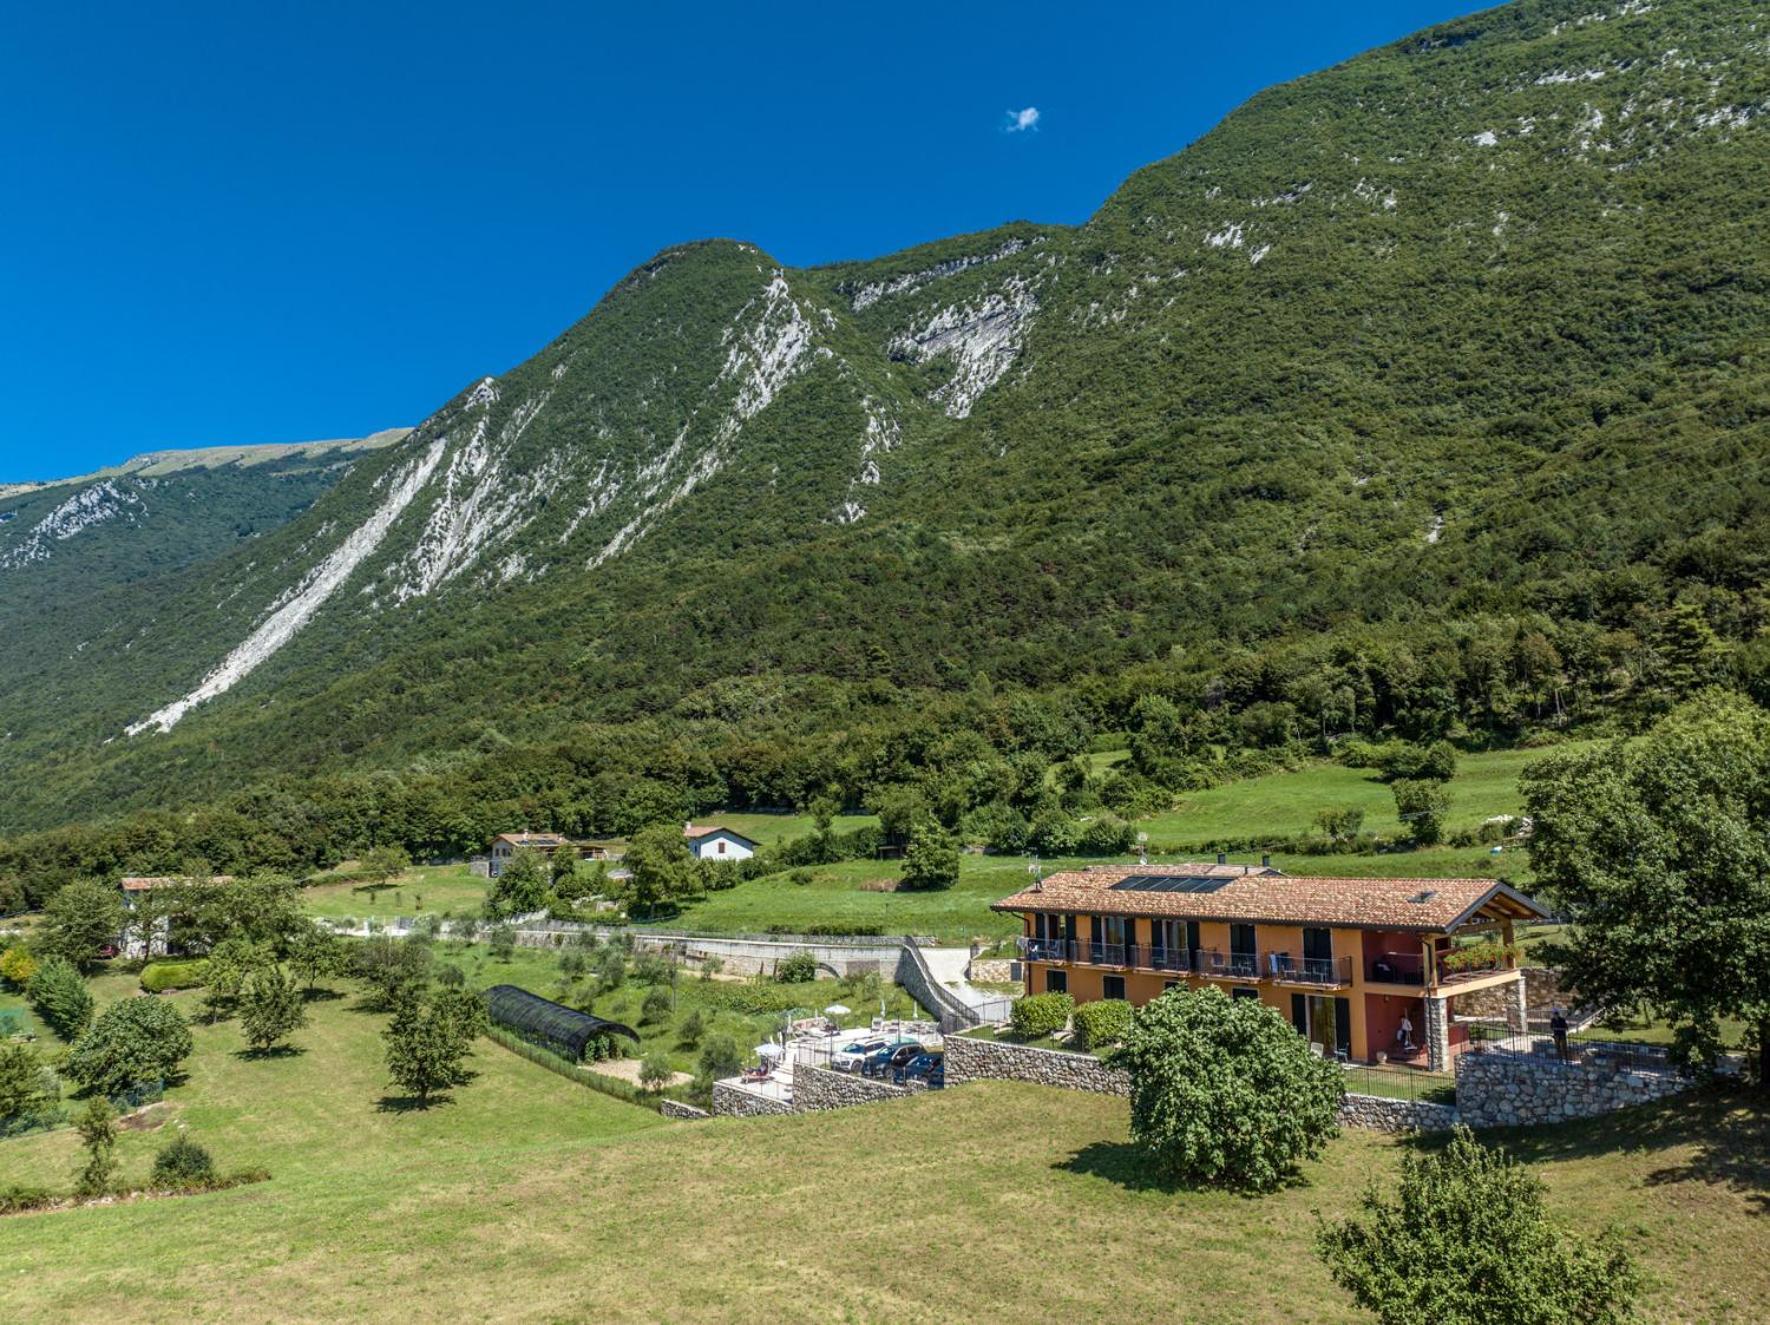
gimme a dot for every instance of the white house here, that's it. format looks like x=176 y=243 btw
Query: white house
x=711 y=842
x=133 y=944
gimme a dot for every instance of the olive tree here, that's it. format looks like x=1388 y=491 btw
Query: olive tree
x=271 y=1009
x=1465 y=1241
x=1224 y=1092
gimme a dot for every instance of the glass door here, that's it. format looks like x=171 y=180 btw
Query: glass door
x=1324 y=1024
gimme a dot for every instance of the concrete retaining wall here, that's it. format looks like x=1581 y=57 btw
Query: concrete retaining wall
x=1378 y=1114
x=1513 y=1090
x=915 y=976
x=816 y=1089
x=970 y=1059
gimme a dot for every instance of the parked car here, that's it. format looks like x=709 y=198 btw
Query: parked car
x=885 y=1061
x=850 y=1056
x=921 y=1065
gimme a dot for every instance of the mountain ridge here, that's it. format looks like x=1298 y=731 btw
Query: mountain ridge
x=1390 y=346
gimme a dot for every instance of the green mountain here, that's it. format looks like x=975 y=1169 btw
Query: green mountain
x=1428 y=391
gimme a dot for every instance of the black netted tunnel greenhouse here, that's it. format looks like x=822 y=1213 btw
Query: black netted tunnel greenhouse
x=552 y=1025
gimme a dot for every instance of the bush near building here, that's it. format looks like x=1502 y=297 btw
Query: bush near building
x=1225 y=1093
x=1039 y=1015
x=1102 y=1022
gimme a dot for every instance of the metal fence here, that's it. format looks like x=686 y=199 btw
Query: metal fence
x=1402 y=1083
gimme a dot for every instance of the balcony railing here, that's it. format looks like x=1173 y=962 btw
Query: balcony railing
x=1281 y=967
x=1086 y=952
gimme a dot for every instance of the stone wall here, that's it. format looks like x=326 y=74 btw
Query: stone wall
x=677 y=1109
x=994 y=971
x=1378 y=1114
x=1542 y=994
x=816 y=1089
x=1521 y=1090
x=971 y=1059
x=734 y=1102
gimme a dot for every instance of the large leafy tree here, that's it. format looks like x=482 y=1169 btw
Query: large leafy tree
x=1658 y=853
x=271 y=1009
x=1466 y=1242
x=429 y=1039
x=135 y=1040
x=663 y=870
x=61 y=997
x=1224 y=1092
x=521 y=887
x=81 y=919
x=932 y=859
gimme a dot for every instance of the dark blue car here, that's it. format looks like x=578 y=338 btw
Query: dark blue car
x=925 y=1066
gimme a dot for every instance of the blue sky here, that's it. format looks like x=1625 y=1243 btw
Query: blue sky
x=230 y=223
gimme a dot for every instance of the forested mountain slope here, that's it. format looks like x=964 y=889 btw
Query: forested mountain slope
x=76 y=540
x=1426 y=390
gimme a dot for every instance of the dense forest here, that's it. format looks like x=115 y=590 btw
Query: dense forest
x=1424 y=398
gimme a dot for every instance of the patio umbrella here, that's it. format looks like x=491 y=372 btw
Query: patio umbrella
x=769 y=1051
x=836 y=1010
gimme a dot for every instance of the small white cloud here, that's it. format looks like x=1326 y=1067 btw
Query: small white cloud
x=1019 y=121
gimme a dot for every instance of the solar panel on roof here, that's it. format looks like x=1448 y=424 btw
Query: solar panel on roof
x=1170 y=883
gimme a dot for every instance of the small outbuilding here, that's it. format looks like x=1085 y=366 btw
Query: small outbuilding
x=541 y=1021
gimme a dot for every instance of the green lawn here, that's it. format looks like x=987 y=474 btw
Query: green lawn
x=526 y=1198
x=422 y=890
x=1285 y=804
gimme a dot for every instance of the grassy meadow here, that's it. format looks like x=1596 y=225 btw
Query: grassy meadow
x=527 y=1198
x=864 y=893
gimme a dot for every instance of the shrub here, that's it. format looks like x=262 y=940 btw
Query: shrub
x=181 y=1162
x=656 y=1006
x=1467 y=1240
x=1038 y=1015
x=1106 y=835
x=134 y=1041
x=655 y=1070
x=61 y=998
x=800 y=877
x=1224 y=1092
x=797 y=969
x=692 y=1028
x=1102 y=1022
x=16 y=1199
x=158 y=977
x=17 y=966
x=98 y=1133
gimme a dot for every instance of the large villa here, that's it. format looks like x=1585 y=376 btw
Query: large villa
x=1361 y=967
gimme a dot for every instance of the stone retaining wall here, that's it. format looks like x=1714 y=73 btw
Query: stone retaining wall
x=1513 y=1090
x=1379 y=1114
x=993 y=971
x=971 y=1059
x=734 y=1102
x=816 y=1089
x=677 y=1109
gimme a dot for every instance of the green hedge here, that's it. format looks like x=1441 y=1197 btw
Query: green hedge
x=1101 y=1022
x=158 y=977
x=1038 y=1015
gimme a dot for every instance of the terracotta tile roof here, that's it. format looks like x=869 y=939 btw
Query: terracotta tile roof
x=138 y=883
x=1275 y=898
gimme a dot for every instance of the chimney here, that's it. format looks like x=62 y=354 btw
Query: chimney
x=1265 y=862
x=1222 y=858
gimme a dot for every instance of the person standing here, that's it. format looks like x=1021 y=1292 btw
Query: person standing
x=1558 y=1028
